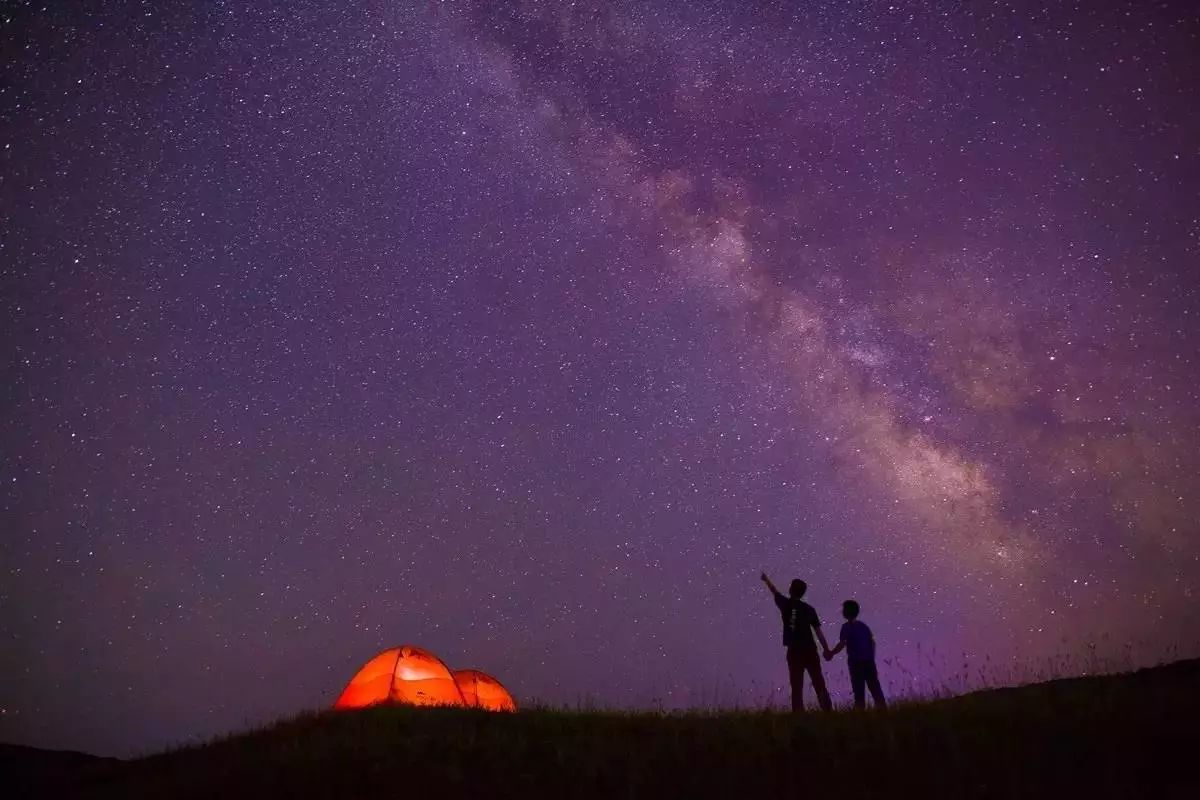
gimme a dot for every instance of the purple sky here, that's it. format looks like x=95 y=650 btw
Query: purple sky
x=532 y=336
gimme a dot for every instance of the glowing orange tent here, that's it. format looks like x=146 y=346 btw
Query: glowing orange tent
x=480 y=690
x=402 y=675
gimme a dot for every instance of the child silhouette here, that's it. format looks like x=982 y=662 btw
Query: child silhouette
x=859 y=644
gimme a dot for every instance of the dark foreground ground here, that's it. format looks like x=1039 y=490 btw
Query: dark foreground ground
x=1118 y=736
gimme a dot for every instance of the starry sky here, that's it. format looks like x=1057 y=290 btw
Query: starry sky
x=532 y=332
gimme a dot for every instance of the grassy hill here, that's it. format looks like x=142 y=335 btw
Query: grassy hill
x=1130 y=735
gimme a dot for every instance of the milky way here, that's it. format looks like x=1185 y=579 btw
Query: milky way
x=531 y=333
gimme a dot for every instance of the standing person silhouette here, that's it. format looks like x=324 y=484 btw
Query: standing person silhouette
x=859 y=643
x=800 y=622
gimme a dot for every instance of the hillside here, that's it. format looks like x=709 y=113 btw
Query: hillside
x=1113 y=736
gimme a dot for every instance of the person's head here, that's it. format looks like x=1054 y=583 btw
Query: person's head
x=850 y=609
x=798 y=588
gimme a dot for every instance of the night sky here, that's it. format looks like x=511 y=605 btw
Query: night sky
x=531 y=333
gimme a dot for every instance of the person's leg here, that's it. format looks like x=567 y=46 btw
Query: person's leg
x=873 y=684
x=818 y=681
x=858 y=681
x=795 y=664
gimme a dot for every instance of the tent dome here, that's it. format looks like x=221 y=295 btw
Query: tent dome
x=403 y=674
x=480 y=690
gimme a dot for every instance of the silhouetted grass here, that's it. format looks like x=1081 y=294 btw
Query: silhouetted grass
x=1127 y=735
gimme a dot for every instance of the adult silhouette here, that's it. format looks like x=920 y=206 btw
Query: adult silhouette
x=800 y=623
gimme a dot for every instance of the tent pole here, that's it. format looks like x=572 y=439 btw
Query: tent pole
x=392 y=679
